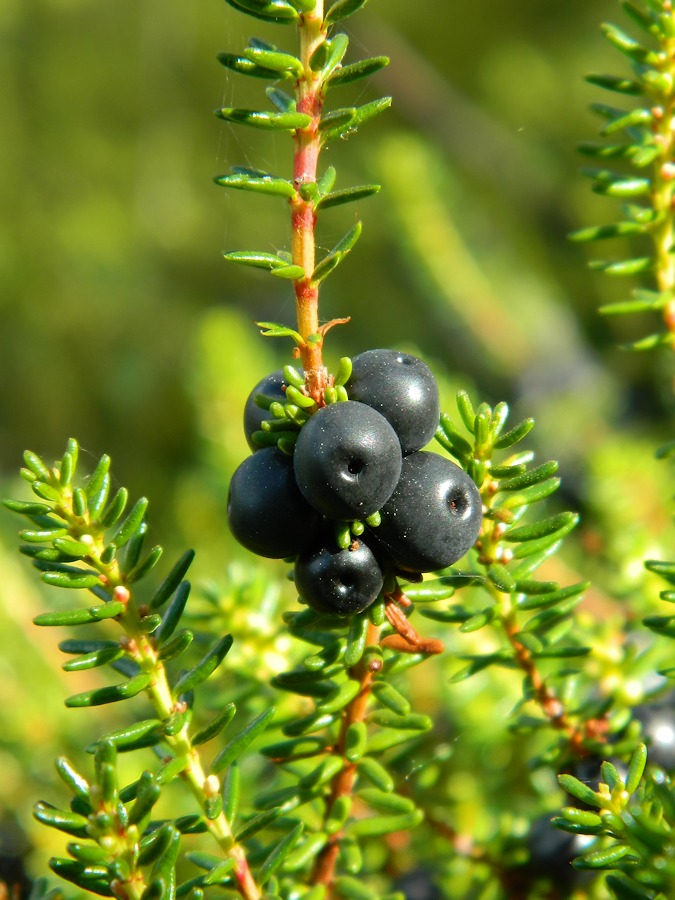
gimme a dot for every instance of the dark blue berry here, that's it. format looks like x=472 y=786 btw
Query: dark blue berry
x=271 y=386
x=403 y=389
x=347 y=460
x=342 y=582
x=265 y=510
x=433 y=517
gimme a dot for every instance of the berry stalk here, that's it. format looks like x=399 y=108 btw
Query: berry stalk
x=309 y=100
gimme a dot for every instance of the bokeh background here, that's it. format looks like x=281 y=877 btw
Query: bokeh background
x=123 y=326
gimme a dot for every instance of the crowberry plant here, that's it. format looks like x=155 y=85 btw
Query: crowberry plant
x=301 y=746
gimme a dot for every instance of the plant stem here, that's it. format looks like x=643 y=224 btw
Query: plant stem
x=343 y=783
x=160 y=696
x=491 y=552
x=663 y=182
x=544 y=695
x=141 y=649
x=309 y=99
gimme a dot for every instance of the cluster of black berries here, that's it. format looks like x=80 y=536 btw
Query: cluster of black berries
x=358 y=461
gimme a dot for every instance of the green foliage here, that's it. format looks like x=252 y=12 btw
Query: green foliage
x=645 y=172
x=632 y=828
x=362 y=763
x=265 y=61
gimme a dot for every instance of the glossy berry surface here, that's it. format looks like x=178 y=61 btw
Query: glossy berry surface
x=433 y=517
x=342 y=582
x=347 y=460
x=403 y=389
x=265 y=510
x=271 y=386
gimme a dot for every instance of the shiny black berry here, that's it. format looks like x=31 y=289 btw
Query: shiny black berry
x=271 y=386
x=403 y=389
x=347 y=460
x=342 y=582
x=265 y=510
x=433 y=516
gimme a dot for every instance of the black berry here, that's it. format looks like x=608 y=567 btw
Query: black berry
x=347 y=460
x=342 y=582
x=271 y=386
x=265 y=510
x=403 y=389
x=433 y=516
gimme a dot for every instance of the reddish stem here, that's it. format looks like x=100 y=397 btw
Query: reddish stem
x=310 y=99
x=343 y=783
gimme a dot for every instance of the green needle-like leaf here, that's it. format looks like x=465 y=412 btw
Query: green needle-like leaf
x=257 y=259
x=534 y=476
x=502 y=579
x=626 y=45
x=71 y=580
x=348 y=195
x=274 y=329
x=95 y=879
x=357 y=70
x=111 y=694
x=205 y=668
x=343 y=8
x=172 y=580
x=278 y=11
x=578 y=789
x=603 y=859
x=624 y=188
x=94 y=659
x=267 y=121
x=173 y=613
x=618 y=84
x=604 y=232
x=380 y=825
x=131 y=524
x=337 y=254
x=341 y=122
x=281 y=63
x=61 y=819
x=235 y=747
x=328 y=56
x=217 y=724
x=266 y=184
x=245 y=66
x=388 y=696
x=98 y=486
x=80 y=616
x=27 y=507
x=540 y=529
x=141 y=734
x=276 y=858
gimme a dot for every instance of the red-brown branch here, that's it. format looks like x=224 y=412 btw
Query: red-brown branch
x=343 y=783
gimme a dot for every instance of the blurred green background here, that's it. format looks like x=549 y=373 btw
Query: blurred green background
x=122 y=325
x=112 y=230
